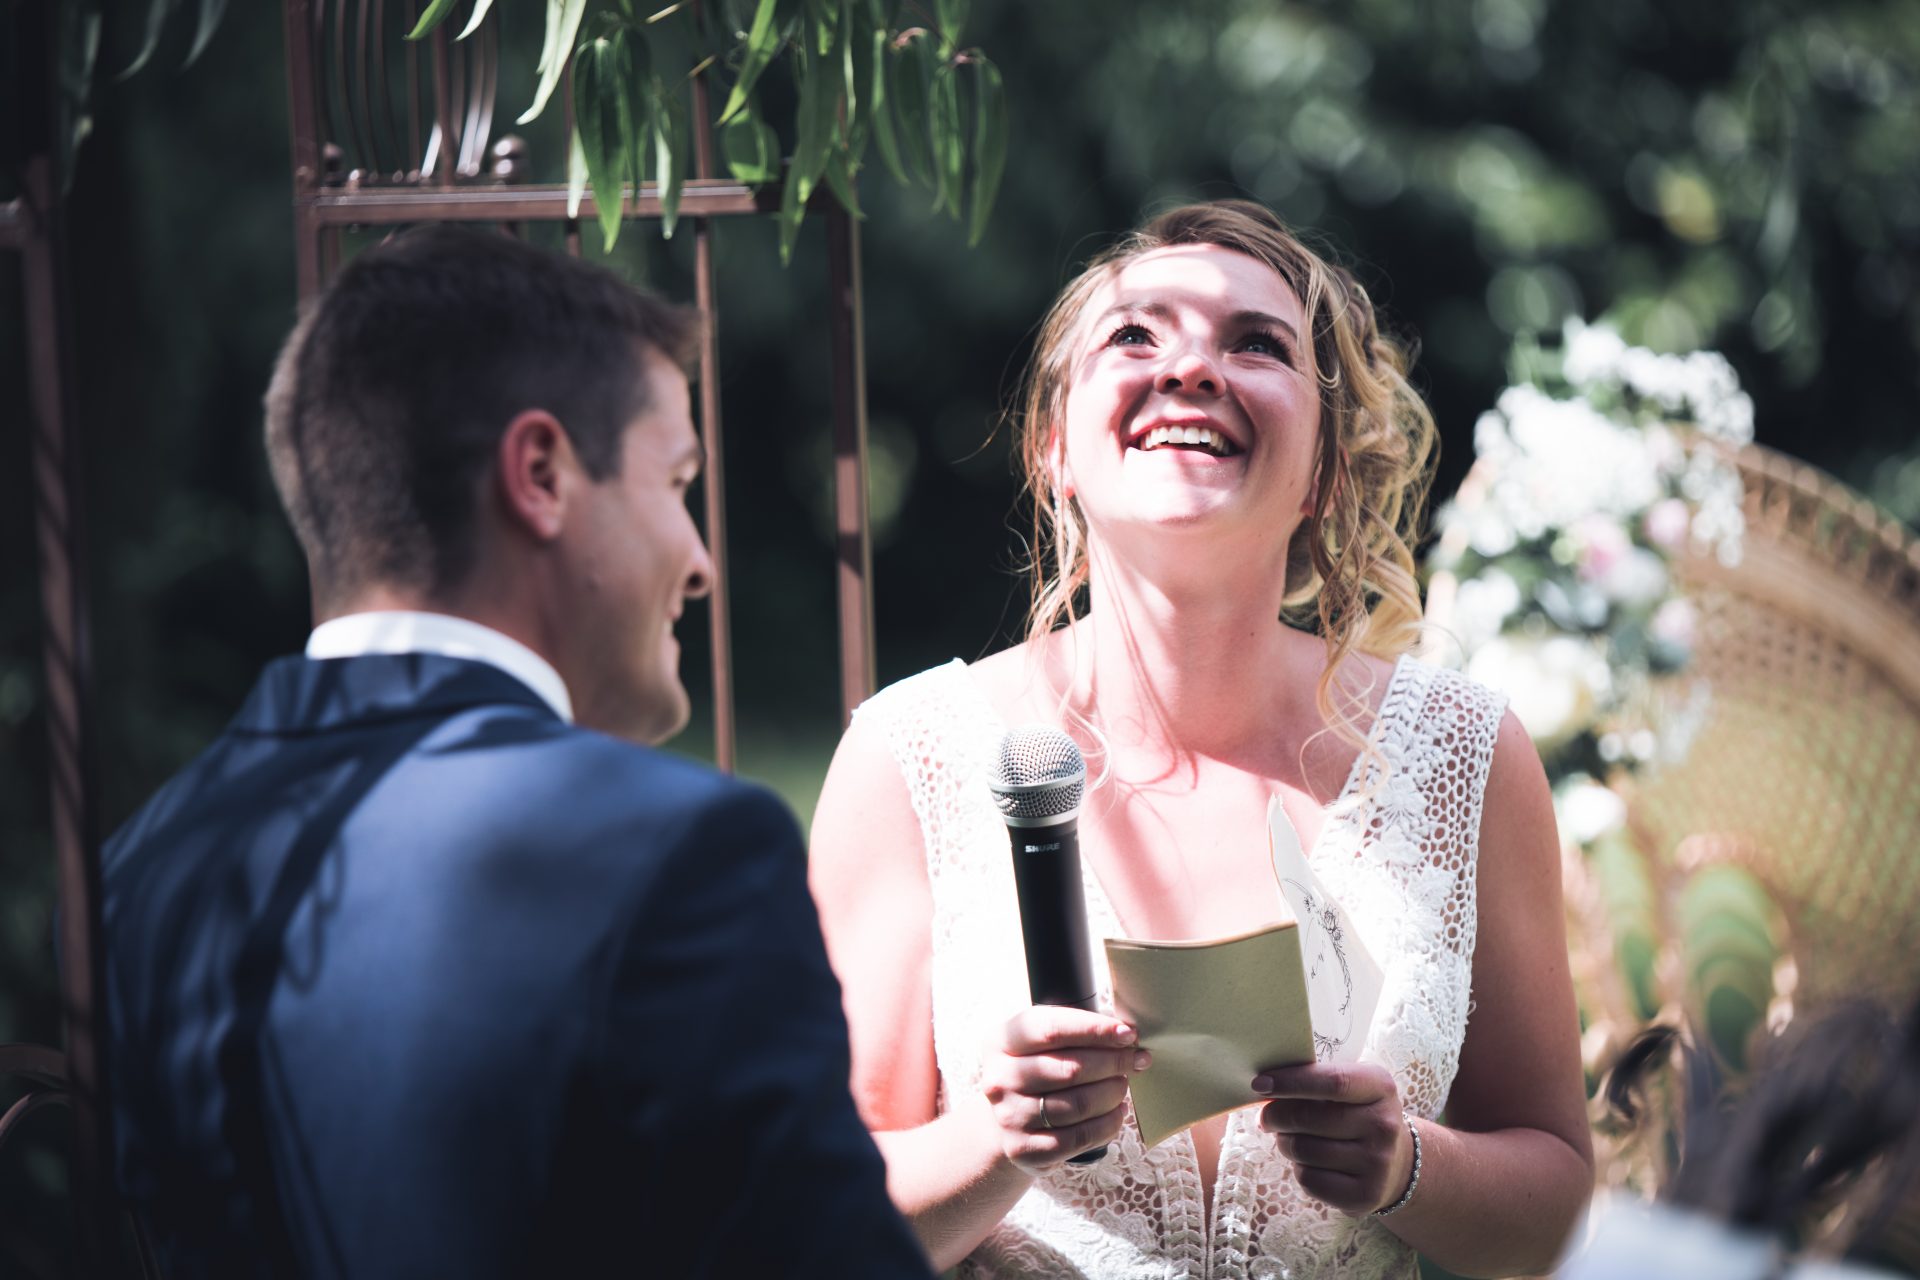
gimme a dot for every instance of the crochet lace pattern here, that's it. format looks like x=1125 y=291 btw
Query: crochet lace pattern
x=1398 y=849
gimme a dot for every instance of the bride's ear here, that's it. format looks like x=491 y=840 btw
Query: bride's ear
x=1057 y=464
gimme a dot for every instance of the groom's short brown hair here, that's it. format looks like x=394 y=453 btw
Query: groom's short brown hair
x=390 y=395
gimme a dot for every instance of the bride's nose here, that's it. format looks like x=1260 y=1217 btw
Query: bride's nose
x=1189 y=368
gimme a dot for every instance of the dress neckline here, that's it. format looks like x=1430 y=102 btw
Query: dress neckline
x=1101 y=911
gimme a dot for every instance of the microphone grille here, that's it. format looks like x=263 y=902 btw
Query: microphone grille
x=1038 y=773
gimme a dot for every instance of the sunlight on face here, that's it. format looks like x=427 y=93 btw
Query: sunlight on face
x=1192 y=402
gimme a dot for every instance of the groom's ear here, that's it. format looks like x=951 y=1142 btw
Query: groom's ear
x=536 y=474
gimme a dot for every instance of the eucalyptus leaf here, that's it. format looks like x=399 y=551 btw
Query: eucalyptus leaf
x=855 y=70
x=793 y=210
x=669 y=152
x=951 y=16
x=637 y=77
x=576 y=175
x=823 y=15
x=570 y=13
x=603 y=123
x=211 y=11
x=821 y=89
x=763 y=41
x=910 y=71
x=990 y=131
x=437 y=13
x=840 y=181
x=549 y=36
x=78 y=34
x=158 y=12
x=880 y=107
x=750 y=147
x=949 y=143
x=480 y=9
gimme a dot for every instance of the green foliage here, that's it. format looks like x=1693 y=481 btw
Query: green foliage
x=1730 y=942
x=856 y=75
x=1633 y=916
x=158 y=13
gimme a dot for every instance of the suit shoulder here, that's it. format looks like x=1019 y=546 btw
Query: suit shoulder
x=664 y=792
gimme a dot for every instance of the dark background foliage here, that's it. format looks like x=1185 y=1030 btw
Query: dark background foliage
x=1744 y=176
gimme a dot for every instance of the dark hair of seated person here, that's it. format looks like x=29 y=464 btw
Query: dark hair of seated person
x=391 y=394
x=1829 y=1117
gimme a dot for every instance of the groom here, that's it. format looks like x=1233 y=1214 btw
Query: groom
x=430 y=965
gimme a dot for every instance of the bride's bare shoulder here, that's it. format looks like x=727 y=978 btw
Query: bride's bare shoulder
x=1009 y=679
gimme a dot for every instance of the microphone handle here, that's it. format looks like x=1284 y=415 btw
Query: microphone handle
x=1053 y=923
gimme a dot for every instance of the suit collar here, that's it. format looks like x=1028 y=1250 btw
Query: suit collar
x=415 y=631
x=308 y=695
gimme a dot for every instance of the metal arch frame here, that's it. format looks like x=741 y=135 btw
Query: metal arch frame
x=322 y=208
x=33 y=227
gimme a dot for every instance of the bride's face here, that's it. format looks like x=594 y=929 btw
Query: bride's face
x=1192 y=407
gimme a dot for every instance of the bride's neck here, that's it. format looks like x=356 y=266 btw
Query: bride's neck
x=1169 y=671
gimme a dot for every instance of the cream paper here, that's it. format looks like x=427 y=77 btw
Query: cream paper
x=1215 y=1013
x=1343 y=982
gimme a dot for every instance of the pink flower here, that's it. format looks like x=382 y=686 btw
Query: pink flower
x=1666 y=525
x=1672 y=625
x=1601 y=542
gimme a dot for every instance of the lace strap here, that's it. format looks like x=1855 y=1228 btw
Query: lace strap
x=931 y=722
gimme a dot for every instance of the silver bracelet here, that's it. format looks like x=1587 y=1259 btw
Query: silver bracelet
x=1412 y=1183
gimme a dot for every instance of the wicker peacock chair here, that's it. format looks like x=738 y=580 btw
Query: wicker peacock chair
x=1805 y=768
x=1802 y=778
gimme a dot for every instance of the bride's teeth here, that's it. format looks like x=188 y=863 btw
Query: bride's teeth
x=1205 y=437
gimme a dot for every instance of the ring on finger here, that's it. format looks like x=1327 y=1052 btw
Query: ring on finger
x=1044 y=1122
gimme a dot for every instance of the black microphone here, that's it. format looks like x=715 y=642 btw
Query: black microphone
x=1037 y=783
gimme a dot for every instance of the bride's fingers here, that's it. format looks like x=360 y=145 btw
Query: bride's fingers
x=1374 y=1123
x=1342 y=1191
x=1066 y=1108
x=1040 y=1132
x=1049 y=1028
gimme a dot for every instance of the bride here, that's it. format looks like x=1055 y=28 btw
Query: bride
x=1227 y=463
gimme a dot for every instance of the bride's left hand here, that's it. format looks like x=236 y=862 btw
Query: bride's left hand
x=1342 y=1126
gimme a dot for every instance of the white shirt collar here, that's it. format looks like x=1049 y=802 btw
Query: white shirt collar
x=406 y=631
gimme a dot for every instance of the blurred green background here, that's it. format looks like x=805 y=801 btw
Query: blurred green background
x=1744 y=176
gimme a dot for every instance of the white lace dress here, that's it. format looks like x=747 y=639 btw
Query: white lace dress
x=1399 y=853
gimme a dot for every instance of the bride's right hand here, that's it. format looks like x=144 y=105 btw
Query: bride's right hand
x=1056 y=1082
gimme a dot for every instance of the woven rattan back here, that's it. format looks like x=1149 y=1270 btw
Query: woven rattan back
x=1806 y=767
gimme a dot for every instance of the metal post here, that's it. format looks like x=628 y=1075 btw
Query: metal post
x=304 y=110
x=720 y=619
x=853 y=541
x=65 y=653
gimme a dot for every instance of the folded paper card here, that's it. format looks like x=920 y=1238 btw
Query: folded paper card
x=1217 y=1012
x=1343 y=982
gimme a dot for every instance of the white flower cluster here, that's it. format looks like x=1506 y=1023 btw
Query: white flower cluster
x=1585 y=490
x=1553 y=462
x=1700 y=387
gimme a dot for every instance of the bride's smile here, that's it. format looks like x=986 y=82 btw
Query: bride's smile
x=1193 y=400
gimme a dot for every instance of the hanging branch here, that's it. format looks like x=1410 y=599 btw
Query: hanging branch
x=936 y=111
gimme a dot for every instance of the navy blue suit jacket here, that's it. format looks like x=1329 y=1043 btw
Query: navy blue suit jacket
x=481 y=994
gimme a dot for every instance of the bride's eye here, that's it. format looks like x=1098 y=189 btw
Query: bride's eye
x=1264 y=342
x=1129 y=335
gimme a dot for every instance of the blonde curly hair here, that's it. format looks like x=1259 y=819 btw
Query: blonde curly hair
x=1350 y=570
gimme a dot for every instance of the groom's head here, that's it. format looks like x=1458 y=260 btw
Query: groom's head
x=466 y=423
